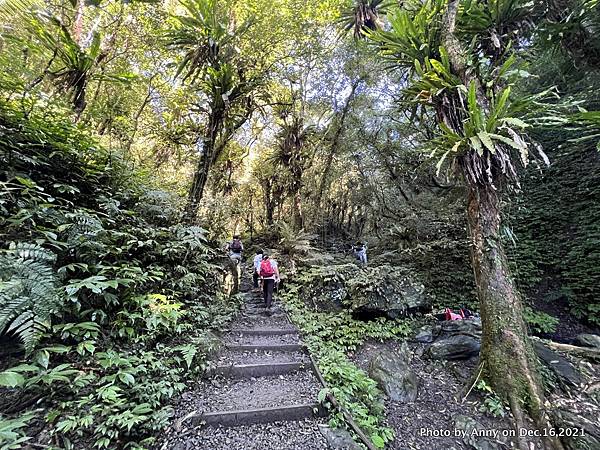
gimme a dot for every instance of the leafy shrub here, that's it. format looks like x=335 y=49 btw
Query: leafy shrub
x=294 y=243
x=329 y=336
x=112 y=297
x=12 y=431
x=539 y=321
x=492 y=404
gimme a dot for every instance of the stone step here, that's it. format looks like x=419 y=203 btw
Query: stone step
x=258 y=415
x=261 y=308
x=259 y=370
x=266 y=347
x=264 y=331
x=234 y=358
x=263 y=313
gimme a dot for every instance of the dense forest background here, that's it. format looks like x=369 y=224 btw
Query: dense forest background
x=137 y=137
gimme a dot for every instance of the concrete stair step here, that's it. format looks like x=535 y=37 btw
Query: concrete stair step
x=259 y=370
x=262 y=313
x=258 y=415
x=265 y=347
x=264 y=331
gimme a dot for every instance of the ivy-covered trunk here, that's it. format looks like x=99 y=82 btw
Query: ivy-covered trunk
x=197 y=189
x=297 y=216
x=210 y=153
x=507 y=356
x=269 y=207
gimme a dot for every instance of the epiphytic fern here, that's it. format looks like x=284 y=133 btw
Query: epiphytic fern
x=28 y=292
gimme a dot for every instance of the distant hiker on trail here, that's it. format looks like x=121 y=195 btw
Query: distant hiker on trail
x=235 y=248
x=360 y=252
x=256 y=273
x=269 y=274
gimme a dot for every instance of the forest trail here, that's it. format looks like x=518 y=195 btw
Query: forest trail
x=262 y=393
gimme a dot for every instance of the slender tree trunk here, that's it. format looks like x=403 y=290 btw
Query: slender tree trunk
x=333 y=148
x=269 y=203
x=297 y=215
x=204 y=164
x=508 y=358
x=198 y=184
x=136 y=118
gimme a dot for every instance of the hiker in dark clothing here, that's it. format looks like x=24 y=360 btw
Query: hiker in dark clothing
x=235 y=248
x=269 y=274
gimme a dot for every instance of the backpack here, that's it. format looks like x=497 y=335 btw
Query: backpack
x=451 y=315
x=266 y=269
x=236 y=245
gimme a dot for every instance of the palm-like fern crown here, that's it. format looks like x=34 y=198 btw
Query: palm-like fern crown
x=28 y=292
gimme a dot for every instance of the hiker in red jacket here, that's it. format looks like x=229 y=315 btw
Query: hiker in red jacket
x=269 y=274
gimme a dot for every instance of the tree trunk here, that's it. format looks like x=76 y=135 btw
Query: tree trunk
x=210 y=153
x=509 y=362
x=333 y=148
x=297 y=211
x=197 y=189
x=269 y=204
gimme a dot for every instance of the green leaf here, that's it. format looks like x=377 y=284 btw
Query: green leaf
x=11 y=379
x=500 y=105
x=477 y=145
x=486 y=139
x=515 y=121
x=322 y=395
x=127 y=378
x=26 y=182
x=418 y=68
x=377 y=441
x=142 y=408
x=439 y=68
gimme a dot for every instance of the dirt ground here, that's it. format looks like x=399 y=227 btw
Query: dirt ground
x=426 y=423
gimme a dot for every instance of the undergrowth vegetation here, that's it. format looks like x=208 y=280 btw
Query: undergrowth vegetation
x=330 y=336
x=107 y=300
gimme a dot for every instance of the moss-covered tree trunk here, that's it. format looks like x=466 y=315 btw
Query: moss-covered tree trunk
x=508 y=358
x=197 y=189
x=210 y=153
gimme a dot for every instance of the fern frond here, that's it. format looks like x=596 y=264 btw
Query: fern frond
x=28 y=292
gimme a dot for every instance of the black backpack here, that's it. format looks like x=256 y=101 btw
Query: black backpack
x=236 y=245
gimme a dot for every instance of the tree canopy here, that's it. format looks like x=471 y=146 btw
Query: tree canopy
x=458 y=139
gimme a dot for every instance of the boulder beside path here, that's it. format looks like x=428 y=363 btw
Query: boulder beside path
x=392 y=372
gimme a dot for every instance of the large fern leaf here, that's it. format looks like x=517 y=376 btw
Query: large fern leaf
x=29 y=292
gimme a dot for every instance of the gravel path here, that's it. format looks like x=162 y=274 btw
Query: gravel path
x=239 y=339
x=259 y=357
x=282 y=390
x=221 y=394
x=256 y=321
x=300 y=435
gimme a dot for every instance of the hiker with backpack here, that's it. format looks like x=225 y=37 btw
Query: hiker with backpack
x=360 y=252
x=235 y=248
x=256 y=272
x=269 y=274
